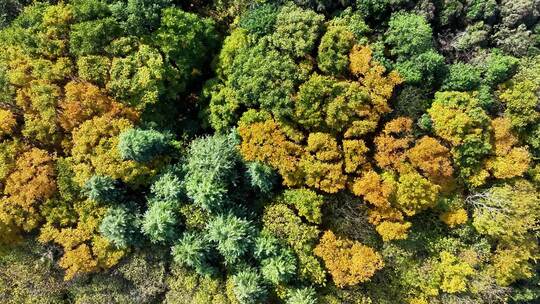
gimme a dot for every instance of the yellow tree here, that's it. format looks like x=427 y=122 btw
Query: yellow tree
x=509 y=161
x=322 y=163
x=83 y=101
x=31 y=182
x=432 y=159
x=85 y=250
x=266 y=142
x=349 y=262
x=372 y=75
x=7 y=122
x=95 y=151
x=392 y=144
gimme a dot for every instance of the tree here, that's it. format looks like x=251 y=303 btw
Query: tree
x=280 y=221
x=267 y=143
x=454 y=273
x=458 y=119
x=374 y=77
x=137 y=80
x=94 y=68
x=415 y=193
x=84 y=101
x=197 y=38
x=232 y=236
x=95 y=152
x=520 y=100
x=408 y=35
x=322 y=163
x=120 y=227
x=389 y=230
x=91 y=37
x=280 y=268
x=334 y=50
x=507 y=212
x=192 y=250
x=248 y=287
x=264 y=77
x=454 y=218
x=425 y=69
x=260 y=21
x=85 y=250
x=142 y=145
x=349 y=262
x=161 y=221
x=261 y=177
x=101 y=189
x=138 y=17
x=392 y=144
x=296 y=30
x=509 y=161
x=210 y=171
x=186 y=285
x=376 y=189
x=168 y=187
x=7 y=122
x=307 y=202
x=462 y=77
x=35 y=173
x=302 y=296
x=432 y=158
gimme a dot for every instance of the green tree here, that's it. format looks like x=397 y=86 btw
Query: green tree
x=160 y=222
x=302 y=296
x=296 y=30
x=192 y=250
x=198 y=39
x=307 y=202
x=280 y=268
x=260 y=21
x=101 y=189
x=210 y=171
x=261 y=177
x=142 y=145
x=120 y=227
x=408 y=35
x=248 y=287
x=232 y=235
x=333 y=52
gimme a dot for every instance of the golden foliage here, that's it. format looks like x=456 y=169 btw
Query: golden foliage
x=349 y=262
x=512 y=263
x=31 y=182
x=355 y=155
x=379 y=215
x=7 y=122
x=322 y=164
x=84 y=249
x=454 y=218
x=371 y=75
x=392 y=144
x=84 y=100
x=454 y=273
x=95 y=151
x=393 y=230
x=512 y=164
x=432 y=158
x=266 y=142
x=503 y=136
x=509 y=161
x=375 y=189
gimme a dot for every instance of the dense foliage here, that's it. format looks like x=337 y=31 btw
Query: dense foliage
x=300 y=152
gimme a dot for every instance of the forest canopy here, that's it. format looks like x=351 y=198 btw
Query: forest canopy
x=270 y=151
